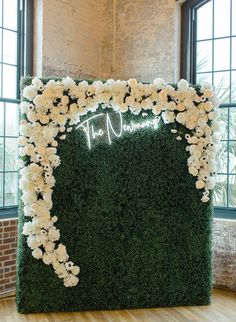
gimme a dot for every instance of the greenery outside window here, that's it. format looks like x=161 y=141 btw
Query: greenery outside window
x=15 y=61
x=208 y=53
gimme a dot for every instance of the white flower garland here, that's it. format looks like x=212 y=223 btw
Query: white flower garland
x=47 y=110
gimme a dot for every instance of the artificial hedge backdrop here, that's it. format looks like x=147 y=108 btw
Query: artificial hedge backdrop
x=132 y=219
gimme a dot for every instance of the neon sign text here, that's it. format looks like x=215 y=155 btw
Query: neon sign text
x=107 y=130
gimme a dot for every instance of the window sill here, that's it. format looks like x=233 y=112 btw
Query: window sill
x=11 y=212
x=224 y=213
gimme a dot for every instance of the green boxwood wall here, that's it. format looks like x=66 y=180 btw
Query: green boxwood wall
x=131 y=217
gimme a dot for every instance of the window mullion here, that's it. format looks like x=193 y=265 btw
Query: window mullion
x=2 y=51
x=213 y=37
x=4 y=152
x=193 y=50
x=19 y=46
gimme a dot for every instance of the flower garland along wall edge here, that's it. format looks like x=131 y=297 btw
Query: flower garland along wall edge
x=50 y=110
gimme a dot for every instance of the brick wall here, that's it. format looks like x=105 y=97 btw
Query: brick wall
x=68 y=37
x=8 y=242
x=107 y=39
x=224 y=253
x=141 y=40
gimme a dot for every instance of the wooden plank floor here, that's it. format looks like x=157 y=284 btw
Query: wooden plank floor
x=222 y=309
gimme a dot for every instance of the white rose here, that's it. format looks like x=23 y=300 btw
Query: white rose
x=183 y=85
x=39 y=101
x=168 y=117
x=24 y=107
x=61 y=253
x=25 y=129
x=205 y=198
x=37 y=253
x=29 y=198
x=83 y=85
x=20 y=163
x=30 y=92
x=22 y=140
x=29 y=149
x=22 y=152
x=47 y=258
x=210 y=183
x=68 y=82
x=193 y=170
x=132 y=82
x=71 y=280
x=75 y=270
x=159 y=82
x=44 y=119
x=200 y=184
x=27 y=228
x=53 y=234
x=37 y=83
x=156 y=110
x=123 y=108
x=64 y=100
x=55 y=160
x=32 y=242
x=208 y=106
x=181 y=118
x=208 y=93
x=49 y=246
x=212 y=116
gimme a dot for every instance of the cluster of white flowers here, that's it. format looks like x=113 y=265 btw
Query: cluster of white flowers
x=52 y=109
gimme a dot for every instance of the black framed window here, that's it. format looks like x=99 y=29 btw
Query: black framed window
x=15 y=61
x=209 y=54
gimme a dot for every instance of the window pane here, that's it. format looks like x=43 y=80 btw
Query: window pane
x=0 y=43
x=221 y=18
x=232 y=124
x=204 y=26
x=10 y=14
x=204 y=56
x=221 y=54
x=1 y=119
x=221 y=159
x=1 y=66
x=232 y=191
x=9 y=47
x=232 y=157
x=11 y=189
x=233 y=17
x=11 y=119
x=233 y=87
x=11 y=154
x=9 y=81
x=224 y=123
x=1 y=154
x=204 y=77
x=220 y=191
x=1 y=189
x=222 y=86
x=0 y=13
x=234 y=53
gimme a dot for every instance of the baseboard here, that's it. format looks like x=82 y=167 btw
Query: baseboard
x=8 y=293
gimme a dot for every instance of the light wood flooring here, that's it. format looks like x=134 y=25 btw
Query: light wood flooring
x=222 y=309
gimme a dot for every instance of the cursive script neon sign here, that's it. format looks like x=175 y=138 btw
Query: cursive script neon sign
x=108 y=131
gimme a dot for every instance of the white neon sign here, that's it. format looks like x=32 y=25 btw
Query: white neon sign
x=93 y=132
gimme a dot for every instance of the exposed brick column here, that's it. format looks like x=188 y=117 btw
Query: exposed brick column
x=8 y=244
